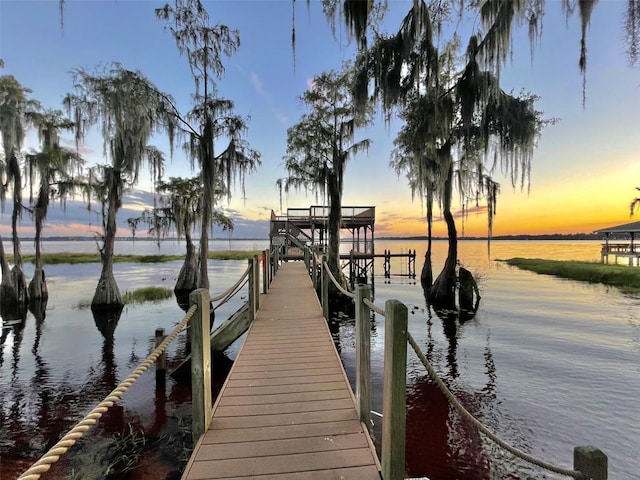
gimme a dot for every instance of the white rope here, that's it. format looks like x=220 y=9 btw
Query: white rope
x=335 y=282
x=492 y=436
x=373 y=306
x=231 y=289
x=53 y=455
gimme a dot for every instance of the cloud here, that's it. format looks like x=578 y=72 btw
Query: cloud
x=257 y=84
x=256 y=81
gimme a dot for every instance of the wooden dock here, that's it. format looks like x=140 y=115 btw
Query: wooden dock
x=286 y=410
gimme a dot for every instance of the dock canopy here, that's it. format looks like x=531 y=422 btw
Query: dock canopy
x=633 y=227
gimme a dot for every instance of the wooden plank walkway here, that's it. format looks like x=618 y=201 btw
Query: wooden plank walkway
x=286 y=410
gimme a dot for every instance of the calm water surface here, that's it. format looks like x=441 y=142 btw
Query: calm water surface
x=546 y=363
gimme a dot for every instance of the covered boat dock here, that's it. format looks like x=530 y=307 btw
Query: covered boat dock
x=620 y=241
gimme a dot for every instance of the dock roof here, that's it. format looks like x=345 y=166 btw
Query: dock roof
x=633 y=227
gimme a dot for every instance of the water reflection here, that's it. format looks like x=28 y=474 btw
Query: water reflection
x=440 y=443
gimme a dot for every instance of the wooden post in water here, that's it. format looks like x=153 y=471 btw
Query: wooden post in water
x=251 y=297
x=325 y=288
x=161 y=361
x=394 y=408
x=265 y=274
x=363 y=355
x=591 y=461
x=200 y=364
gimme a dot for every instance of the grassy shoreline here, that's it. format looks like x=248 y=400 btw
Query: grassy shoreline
x=627 y=279
x=75 y=258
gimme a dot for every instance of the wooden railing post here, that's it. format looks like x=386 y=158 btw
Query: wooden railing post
x=314 y=271
x=265 y=274
x=325 y=289
x=161 y=361
x=276 y=260
x=200 y=364
x=394 y=409
x=256 y=281
x=363 y=355
x=251 y=297
x=591 y=461
x=307 y=260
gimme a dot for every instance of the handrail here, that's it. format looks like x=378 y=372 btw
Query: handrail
x=335 y=282
x=465 y=413
x=230 y=289
x=373 y=306
x=53 y=455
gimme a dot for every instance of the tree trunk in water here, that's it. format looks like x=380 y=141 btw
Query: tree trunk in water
x=107 y=296
x=208 y=172
x=426 y=276
x=443 y=291
x=188 y=276
x=335 y=216
x=38 y=286
x=8 y=295
x=17 y=275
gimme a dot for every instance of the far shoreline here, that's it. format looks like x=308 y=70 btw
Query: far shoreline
x=520 y=237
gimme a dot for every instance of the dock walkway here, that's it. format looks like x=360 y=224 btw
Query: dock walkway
x=286 y=410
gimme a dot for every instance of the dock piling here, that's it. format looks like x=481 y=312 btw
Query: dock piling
x=394 y=381
x=363 y=355
x=161 y=361
x=591 y=461
x=200 y=364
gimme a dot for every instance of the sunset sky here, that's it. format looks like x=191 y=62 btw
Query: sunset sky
x=584 y=172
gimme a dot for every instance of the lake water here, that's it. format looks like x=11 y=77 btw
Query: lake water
x=546 y=363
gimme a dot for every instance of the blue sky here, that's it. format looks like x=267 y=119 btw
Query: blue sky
x=584 y=171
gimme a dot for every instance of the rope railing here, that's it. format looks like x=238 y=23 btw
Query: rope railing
x=335 y=282
x=230 y=290
x=373 y=306
x=44 y=463
x=53 y=455
x=479 y=425
x=363 y=324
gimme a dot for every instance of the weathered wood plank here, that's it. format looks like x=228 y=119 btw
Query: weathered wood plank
x=269 y=409
x=210 y=469
x=352 y=473
x=274 y=382
x=284 y=419
x=282 y=447
x=280 y=432
x=286 y=398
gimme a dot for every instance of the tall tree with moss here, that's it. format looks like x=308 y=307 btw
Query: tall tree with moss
x=15 y=111
x=129 y=110
x=211 y=119
x=179 y=211
x=55 y=169
x=322 y=142
x=459 y=124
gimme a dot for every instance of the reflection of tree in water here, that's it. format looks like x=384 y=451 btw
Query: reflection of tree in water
x=441 y=444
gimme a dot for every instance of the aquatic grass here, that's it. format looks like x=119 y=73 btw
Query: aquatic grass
x=626 y=278
x=77 y=258
x=147 y=294
x=140 y=295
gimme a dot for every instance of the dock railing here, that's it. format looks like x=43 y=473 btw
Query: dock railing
x=589 y=463
x=196 y=319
